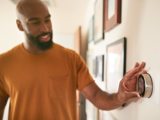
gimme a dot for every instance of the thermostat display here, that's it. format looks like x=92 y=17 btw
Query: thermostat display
x=144 y=85
x=141 y=86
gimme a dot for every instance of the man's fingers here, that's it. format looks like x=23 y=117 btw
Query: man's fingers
x=130 y=74
x=142 y=65
x=137 y=74
x=125 y=87
x=135 y=71
x=136 y=65
x=130 y=95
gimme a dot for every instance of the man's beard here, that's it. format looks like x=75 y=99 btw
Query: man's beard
x=35 y=41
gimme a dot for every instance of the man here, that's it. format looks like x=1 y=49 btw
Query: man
x=41 y=77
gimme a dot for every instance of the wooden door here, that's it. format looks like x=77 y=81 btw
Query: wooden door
x=77 y=48
x=80 y=98
x=77 y=41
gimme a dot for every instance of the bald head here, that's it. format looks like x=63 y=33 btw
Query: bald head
x=27 y=7
x=28 y=10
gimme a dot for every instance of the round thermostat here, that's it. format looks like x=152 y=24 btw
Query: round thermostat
x=145 y=85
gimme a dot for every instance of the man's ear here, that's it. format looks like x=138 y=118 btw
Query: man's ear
x=19 y=25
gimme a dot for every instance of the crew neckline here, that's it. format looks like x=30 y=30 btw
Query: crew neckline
x=34 y=55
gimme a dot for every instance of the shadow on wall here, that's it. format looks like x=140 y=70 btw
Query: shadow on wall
x=131 y=18
x=142 y=23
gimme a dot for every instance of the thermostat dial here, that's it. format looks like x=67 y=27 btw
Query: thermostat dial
x=145 y=85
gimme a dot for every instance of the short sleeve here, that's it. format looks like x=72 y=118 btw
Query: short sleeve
x=3 y=93
x=84 y=77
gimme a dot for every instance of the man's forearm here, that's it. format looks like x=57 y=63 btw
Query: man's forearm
x=106 y=101
x=101 y=99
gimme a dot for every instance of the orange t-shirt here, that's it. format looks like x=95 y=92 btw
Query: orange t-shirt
x=42 y=87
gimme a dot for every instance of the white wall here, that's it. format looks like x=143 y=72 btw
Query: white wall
x=66 y=22
x=66 y=40
x=68 y=15
x=9 y=33
x=141 y=26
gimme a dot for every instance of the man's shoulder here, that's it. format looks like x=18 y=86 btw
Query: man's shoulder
x=64 y=50
x=9 y=53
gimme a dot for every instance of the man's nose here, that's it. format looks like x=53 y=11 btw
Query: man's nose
x=44 y=28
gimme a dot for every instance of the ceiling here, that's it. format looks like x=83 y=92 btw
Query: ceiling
x=72 y=5
x=68 y=14
x=47 y=2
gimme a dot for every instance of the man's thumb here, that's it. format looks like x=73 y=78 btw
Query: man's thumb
x=130 y=95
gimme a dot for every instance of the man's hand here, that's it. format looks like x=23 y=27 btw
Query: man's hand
x=127 y=90
x=127 y=86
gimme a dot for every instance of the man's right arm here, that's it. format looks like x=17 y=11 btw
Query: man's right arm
x=3 y=101
x=127 y=90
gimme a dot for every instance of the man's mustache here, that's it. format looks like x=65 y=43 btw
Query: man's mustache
x=44 y=34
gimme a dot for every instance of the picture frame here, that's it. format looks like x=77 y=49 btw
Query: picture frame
x=100 y=67
x=115 y=64
x=91 y=30
x=94 y=66
x=98 y=21
x=112 y=14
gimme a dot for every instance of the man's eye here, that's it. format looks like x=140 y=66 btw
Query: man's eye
x=35 y=23
x=47 y=20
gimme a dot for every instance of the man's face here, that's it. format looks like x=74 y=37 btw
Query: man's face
x=37 y=25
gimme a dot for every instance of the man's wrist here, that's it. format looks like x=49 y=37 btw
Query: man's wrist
x=118 y=101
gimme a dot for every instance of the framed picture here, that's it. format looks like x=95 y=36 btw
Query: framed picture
x=91 y=30
x=112 y=14
x=100 y=67
x=116 y=64
x=98 y=24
